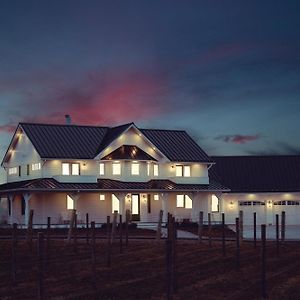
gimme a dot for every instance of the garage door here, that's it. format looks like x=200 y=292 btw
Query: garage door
x=249 y=207
x=291 y=208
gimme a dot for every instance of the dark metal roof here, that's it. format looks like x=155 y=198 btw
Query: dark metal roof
x=65 y=141
x=86 y=142
x=258 y=173
x=129 y=152
x=176 y=145
x=50 y=184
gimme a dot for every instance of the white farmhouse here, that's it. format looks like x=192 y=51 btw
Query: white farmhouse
x=53 y=169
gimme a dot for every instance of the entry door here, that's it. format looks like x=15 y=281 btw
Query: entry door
x=135 y=207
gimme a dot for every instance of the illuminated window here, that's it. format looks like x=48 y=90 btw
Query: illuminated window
x=155 y=170
x=184 y=201
x=116 y=169
x=156 y=197
x=70 y=169
x=65 y=169
x=102 y=197
x=101 y=168
x=179 y=171
x=135 y=169
x=148 y=169
x=183 y=171
x=75 y=169
x=115 y=204
x=214 y=203
x=70 y=202
x=36 y=166
x=12 y=171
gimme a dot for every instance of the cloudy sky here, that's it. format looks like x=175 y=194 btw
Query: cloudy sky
x=228 y=72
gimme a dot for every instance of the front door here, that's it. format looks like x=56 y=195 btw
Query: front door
x=135 y=207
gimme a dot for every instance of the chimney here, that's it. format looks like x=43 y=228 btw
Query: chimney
x=68 y=119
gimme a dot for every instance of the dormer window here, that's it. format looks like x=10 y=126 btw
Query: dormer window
x=135 y=168
x=155 y=169
x=183 y=171
x=36 y=166
x=12 y=171
x=70 y=169
x=116 y=168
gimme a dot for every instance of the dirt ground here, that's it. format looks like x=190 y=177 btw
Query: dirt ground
x=140 y=271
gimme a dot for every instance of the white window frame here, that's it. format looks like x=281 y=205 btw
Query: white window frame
x=135 y=168
x=187 y=171
x=116 y=168
x=70 y=202
x=180 y=200
x=155 y=170
x=156 y=197
x=13 y=171
x=101 y=169
x=75 y=172
x=179 y=170
x=65 y=169
x=183 y=171
x=36 y=166
x=115 y=203
x=102 y=197
x=70 y=168
x=215 y=203
x=184 y=201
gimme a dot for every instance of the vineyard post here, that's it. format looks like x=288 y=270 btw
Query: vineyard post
x=263 y=262
x=241 y=227
x=40 y=252
x=121 y=233
x=75 y=233
x=29 y=229
x=254 y=229
x=48 y=239
x=158 y=233
x=87 y=227
x=108 y=237
x=174 y=271
x=126 y=227
x=283 y=226
x=209 y=230
x=114 y=225
x=277 y=234
x=14 y=252
x=70 y=232
x=93 y=236
x=200 y=226
x=237 y=230
x=223 y=235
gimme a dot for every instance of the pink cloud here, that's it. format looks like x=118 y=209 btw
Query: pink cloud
x=238 y=138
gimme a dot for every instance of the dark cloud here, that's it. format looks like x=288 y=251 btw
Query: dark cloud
x=238 y=138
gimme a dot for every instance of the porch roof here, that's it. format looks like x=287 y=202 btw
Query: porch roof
x=52 y=185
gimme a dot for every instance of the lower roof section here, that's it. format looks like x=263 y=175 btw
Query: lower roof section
x=52 y=185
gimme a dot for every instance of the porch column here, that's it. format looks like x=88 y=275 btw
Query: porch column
x=121 y=197
x=10 y=198
x=26 y=197
x=164 y=203
x=75 y=197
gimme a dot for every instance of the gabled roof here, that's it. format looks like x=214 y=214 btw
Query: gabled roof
x=50 y=184
x=258 y=173
x=128 y=152
x=86 y=142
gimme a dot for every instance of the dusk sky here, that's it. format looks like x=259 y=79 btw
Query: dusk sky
x=228 y=72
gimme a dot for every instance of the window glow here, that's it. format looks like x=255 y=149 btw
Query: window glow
x=135 y=169
x=180 y=200
x=116 y=169
x=102 y=197
x=135 y=208
x=65 y=169
x=155 y=170
x=148 y=169
x=187 y=171
x=214 y=203
x=115 y=203
x=75 y=169
x=188 y=202
x=101 y=168
x=36 y=166
x=156 y=197
x=179 y=171
x=12 y=171
x=70 y=202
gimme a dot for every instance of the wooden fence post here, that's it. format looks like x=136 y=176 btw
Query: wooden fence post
x=263 y=262
x=277 y=234
x=114 y=225
x=121 y=233
x=200 y=226
x=48 y=232
x=237 y=229
x=29 y=229
x=75 y=233
x=223 y=235
x=93 y=236
x=254 y=229
x=108 y=236
x=87 y=227
x=126 y=226
x=158 y=233
x=209 y=230
x=72 y=221
x=40 y=252
x=170 y=257
x=14 y=252
x=282 y=226
x=241 y=225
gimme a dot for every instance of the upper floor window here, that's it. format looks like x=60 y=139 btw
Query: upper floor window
x=155 y=170
x=184 y=201
x=101 y=168
x=148 y=169
x=135 y=168
x=116 y=168
x=12 y=171
x=70 y=169
x=183 y=171
x=35 y=166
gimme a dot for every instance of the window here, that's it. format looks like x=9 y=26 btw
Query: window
x=156 y=197
x=184 y=201
x=36 y=166
x=116 y=169
x=20 y=171
x=115 y=204
x=148 y=169
x=214 y=203
x=250 y=203
x=102 y=197
x=184 y=171
x=28 y=169
x=155 y=170
x=70 y=202
x=149 y=203
x=101 y=168
x=135 y=169
x=290 y=202
x=70 y=169
x=23 y=206
x=12 y=171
